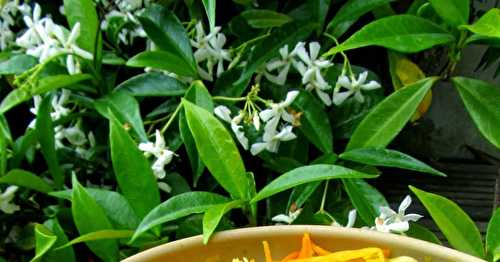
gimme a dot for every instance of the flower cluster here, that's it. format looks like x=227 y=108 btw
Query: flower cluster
x=163 y=156
x=74 y=135
x=44 y=39
x=123 y=13
x=210 y=51
x=8 y=14
x=392 y=221
x=278 y=123
x=312 y=67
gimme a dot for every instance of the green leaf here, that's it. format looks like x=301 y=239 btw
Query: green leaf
x=213 y=216
x=289 y=35
x=481 y=100
x=217 y=150
x=89 y=217
x=17 y=64
x=487 y=25
x=99 y=235
x=493 y=236
x=178 y=184
x=349 y=13
x=178 y=206
x=387 y=119
x=453 y=12
x=260 y=18
x=456 y=225
x=365 y=198
x=53 y=82
x=319 y=10
x=125 y=108
x=116 y=207
x=14 y=98
x=45 y=134
x=44 y=241
x=153 y=84
x=422 y=233
x=26 y=179
x=66 y=255
x=210 y=10
x=314 y=122
x=83 y=12
x=307 y=174
x=133 y=172
x=164 y=60
x=168 y=34
x=403 y=33
x=199 y=95
x=388 y=158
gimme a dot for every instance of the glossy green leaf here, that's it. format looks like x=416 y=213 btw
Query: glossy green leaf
x=456 y=225
x=388 y=158
x=487 y=25
x=217 y=150
x=319 y=12
x=66 y=255
x=178 y=206
x=178 y=184
x=314 y=121
x=349 y=13
x=260 y=18
x=132 y=170
x=53 y=82
x=453 y=12
x=89 y=217
x=164 y=60
x=307 y=174
x=493 y=236
x=481 y=100
x=116 y=207
x=99 y=235
x=289 y=35
x=125 y=108
x=17 y=64
x=168 y=34
x=199 y=95
x=403 y=33
x=420 y=232
x=153 y=84
x=210 y=10
x=83 y=12
x=44 y=241
x=14 y=98
x=26 y=179
x=387 y=119
x=365 y=198
x=213 y=216
x=45 y=134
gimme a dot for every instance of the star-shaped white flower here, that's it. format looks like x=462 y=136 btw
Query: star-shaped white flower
x=225 y=114
x=279 y=111
x=311 y=67
x=272 y=138
x=159 y=150
x=354 y=87
x=6 y=198
x=351 y=220
x=392 y=221
x=283 y=219
x=281 y=64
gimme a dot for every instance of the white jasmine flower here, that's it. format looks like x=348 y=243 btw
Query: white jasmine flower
x=58 y=107
x=59 y=136
x=8 y=13
x=271 y=139
x=282 y=65
x=256 y=121
x=287 y=219
x=310 y=69
x=225 y=114
x=75 y=136
x=210 y=49
x=392 y=221
x=278 y=111
x=6 y=198
x=354 y=87
x=69 y=45
x=159 y=150
x=351 y=219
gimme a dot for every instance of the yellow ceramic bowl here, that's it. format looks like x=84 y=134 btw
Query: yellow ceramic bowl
x=247 y=242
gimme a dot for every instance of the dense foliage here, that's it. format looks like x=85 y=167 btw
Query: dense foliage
x=125 y=124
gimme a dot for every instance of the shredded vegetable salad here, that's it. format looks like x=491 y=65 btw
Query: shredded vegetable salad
x=310 y=252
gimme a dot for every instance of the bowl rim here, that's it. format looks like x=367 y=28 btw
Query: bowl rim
x=264 y=231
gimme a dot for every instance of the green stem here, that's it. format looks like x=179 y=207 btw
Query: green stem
x=233 y=99
x=171 y=120
x=323 y=199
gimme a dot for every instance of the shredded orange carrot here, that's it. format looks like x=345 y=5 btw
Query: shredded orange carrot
x=267 y=252
x=387 y=252
x=306 y=251
x=291 y=256
x=319 y=251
